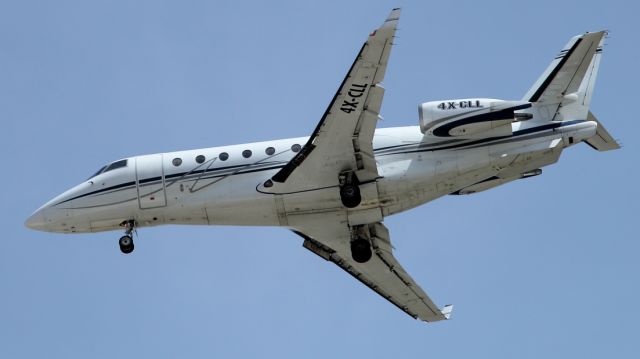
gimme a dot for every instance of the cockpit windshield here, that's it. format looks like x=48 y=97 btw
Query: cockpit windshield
x=98 y=172
x=112 y=166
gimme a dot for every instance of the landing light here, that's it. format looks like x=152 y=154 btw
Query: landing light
x=532 y=173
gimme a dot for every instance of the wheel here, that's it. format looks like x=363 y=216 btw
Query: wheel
x=126 y=244
x=361 y=250
x=350 y=195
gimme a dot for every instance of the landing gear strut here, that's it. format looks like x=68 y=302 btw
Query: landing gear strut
x=349 y=189
x=126 y=241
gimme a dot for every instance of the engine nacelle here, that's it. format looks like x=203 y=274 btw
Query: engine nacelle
x=470 y=118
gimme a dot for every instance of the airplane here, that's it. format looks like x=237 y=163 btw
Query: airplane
x=335 y=187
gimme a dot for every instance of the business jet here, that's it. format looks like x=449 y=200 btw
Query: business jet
x=335 y=187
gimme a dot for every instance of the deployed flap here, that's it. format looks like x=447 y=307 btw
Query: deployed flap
x=602 y=141
x=382 y=273
x=343 y=139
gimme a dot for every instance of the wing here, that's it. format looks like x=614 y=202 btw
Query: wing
x=343 y=139
x=382 y=272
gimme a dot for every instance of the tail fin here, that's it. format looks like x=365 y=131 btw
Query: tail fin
x=564 y=90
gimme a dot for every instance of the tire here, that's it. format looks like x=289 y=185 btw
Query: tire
x=350 y=196
x=126 y=244
x=361 y=250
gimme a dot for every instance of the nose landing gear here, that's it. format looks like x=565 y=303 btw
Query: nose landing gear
x=126 y=244
x=126 y=241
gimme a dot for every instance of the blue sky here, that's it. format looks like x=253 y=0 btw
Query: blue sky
x=546 y=267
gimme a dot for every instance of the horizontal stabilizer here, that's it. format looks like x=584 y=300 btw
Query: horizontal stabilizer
x=602 y=141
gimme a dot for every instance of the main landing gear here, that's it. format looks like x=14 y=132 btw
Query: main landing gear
x=360 y=244
x=126 y=241
x=361 y=250
x=349 y=189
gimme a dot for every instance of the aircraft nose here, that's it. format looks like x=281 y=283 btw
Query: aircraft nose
x=37 y=221
x=51 y=217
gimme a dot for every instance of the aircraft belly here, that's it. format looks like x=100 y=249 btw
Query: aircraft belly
x=105 y=225
x=244 y=212
x=327 y=200
x=407 y=181
x=235 y=201
x=424 y=177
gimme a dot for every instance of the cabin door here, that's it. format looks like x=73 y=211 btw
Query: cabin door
x=150 y=181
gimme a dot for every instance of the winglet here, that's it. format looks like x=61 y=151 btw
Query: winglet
x=394 y=15
x=446 y=311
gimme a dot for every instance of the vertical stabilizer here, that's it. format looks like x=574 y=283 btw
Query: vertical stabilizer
x=564 y=90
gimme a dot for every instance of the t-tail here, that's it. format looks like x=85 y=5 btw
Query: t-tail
x=564 y=91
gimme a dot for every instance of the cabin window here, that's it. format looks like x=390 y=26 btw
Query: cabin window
x=270 y=151
x=223 y=156
x=296 y=148
x=246 y=153
x=200 y=158
x=177 y=161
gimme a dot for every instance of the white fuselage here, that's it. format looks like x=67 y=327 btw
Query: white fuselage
x=202 y=187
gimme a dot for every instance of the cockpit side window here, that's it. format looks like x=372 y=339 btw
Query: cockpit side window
x=116 y=164
x=112 y=166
